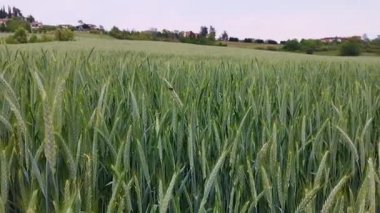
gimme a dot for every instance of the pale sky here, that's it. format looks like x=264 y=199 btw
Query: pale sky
x=266 y=19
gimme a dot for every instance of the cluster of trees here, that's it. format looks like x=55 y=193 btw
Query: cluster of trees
x=259 y=41
x=15 y=20
x=349 y=47
x=11 y=13
x=206 y=36
x=152 y=34
x=21 y=36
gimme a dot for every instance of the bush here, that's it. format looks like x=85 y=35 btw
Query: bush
x=350 y=48
x=292 y=45
x=3 y=28
x=33 y=39
x=16 y=23
x=11 y=40
x=21 y=36
x=64 y=35
x=46 y=38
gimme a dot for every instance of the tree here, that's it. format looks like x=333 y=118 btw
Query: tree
x=310 y=45
x=30 y=19
x=116 y=33
x=259 y=41
x=203 y=32
x=233 y=39
x=9 y=12
x=269 y=41
x=17 y=12
x=212 y=33
x=292 y=45
x=64 y=35
x=248 y=40
x=3 y=28
x=365 y=38
x=16 y=23
x=224 y=36
x=3 y=13
x=350 y=48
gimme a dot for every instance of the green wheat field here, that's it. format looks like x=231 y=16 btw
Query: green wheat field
x=100 y=125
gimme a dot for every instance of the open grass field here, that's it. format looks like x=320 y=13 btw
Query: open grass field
x=101 y=125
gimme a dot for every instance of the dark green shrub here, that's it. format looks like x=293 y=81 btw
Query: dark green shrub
x=21 y=36
x=350 y=48
x=64 y=35
x=310 y=51
x=292 y=45
x=33 y=39
x=11 y=40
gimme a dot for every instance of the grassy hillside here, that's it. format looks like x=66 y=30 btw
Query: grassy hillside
x=167 y=127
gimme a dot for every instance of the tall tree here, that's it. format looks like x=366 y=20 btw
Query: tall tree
x=204 y=31
x=30 y=19
x=212 y=33
x=224 y=36
x=9 y=12
x=3 y=13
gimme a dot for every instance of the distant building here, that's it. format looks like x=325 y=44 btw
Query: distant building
x=329 y=40
x=36 y=25
x=86 y=27
x=190 y=34
x=66 y=26
x=4 y=21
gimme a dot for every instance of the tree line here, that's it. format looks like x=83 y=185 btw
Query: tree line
x=14 y=20
x=205 y=36
x=353 y=46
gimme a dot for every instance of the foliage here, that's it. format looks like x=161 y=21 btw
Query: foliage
x=30 y=19
x=16 y=23
x=233 y=39
x=3 y=28
x=203 y=32
x=33 y=39
x=248 y=40
x=212 y=33
x=350 y=48
x=259 y=41
x=21 y=36
x=292 y=45
x=224 y=36
x=46 y=38
x=269 y=41
x=11 y=13
x=64 y=35
x=11 y=40
x=310 y=45
x=201 y=41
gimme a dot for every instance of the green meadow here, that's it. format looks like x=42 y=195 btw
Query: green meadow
x=104 y=125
